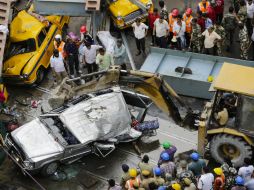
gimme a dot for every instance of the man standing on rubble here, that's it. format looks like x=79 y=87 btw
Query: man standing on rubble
x=89 y=53
x=57 y=65
x=72 y=52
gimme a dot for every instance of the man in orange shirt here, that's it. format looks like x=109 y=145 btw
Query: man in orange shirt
x=219 y=182
x=187 y=17
x=171 y=19
x=59 y=44
x=202 y=6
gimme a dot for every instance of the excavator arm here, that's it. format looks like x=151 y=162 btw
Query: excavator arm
x=148 y=84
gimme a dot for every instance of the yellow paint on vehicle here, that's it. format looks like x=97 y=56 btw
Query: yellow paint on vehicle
x=235 y=78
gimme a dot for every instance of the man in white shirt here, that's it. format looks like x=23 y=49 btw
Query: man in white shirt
x=206 y=180
x=120 y=54
x=140 y=32
x=179 y=28
x=210 y=40
x=57 y=65
x=161 y=30
x=246 y=171
x=250 y=12
x=89 y=55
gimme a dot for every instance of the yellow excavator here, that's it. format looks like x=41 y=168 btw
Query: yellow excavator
x=234 y=140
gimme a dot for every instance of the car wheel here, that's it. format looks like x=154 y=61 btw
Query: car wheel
x=40 y=75
x=49 y=169
x=224 y=145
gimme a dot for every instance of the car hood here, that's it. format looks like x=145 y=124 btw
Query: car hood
x=123 y=7
x=36 y=141
x=15 y=64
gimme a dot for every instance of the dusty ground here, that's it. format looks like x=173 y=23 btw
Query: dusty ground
x=92 y=172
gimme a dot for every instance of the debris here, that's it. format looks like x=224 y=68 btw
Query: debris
x=4 y=29
x=59 y=176
x=34 y=103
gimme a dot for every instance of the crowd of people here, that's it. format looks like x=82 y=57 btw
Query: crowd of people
x=73 y=54
x=185 y=173
x=207 y=31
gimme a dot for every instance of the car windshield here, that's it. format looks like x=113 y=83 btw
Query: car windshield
x=25 y=46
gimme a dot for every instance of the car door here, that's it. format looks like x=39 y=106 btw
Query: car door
x=76 y=151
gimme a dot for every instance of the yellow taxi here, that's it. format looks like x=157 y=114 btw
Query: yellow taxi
x=30 y=47
x=124 y=12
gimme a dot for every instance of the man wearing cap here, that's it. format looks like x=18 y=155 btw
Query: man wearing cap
x=133 y=179
x=85 y=36
x=239 y=184
x=161 y=31
x=171 y=20
x=125 y=176
x=140 y=32
x=196 y=165
x=189 y=185
x=146 y=179
x=187 y=18
x=157 y=177
x=219 y=181
x=144 y=165
x=167 y=166
x=168 y=148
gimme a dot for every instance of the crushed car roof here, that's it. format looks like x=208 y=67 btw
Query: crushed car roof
x=99 y=118
x=36 y=141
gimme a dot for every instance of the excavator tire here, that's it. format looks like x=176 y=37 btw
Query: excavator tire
x=228 y=146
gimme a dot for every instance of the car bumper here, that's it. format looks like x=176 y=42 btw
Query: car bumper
x=15 y=79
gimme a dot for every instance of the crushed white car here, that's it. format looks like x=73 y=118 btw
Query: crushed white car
x=92 y=123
